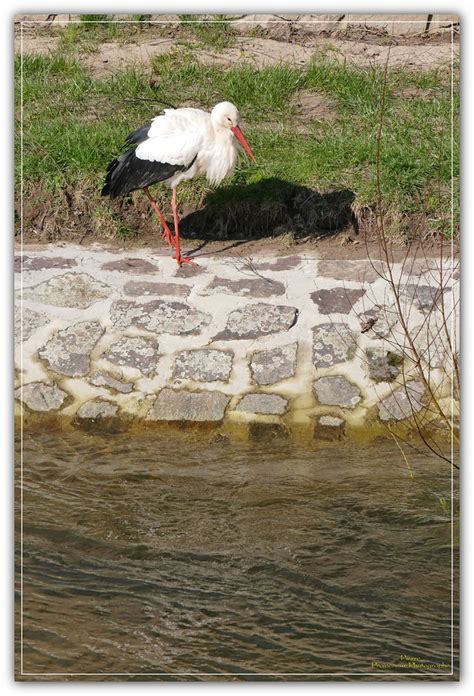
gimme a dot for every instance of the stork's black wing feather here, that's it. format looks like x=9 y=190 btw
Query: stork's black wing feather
x=128 y=172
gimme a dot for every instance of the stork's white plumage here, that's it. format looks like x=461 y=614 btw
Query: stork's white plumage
x=177 y=145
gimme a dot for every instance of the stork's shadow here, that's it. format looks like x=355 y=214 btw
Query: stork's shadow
x=269 y=208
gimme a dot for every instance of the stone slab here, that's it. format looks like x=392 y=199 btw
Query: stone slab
x=137 y=288
x=256 y=320
x=383 y=365
x=130 y=265
x=247 y=287
x=336 y=390
x=104 y=379
x=159 y=316
x=182 y=405
x=270 y=366
x=339 y=300
x=139 y=352
x=79 y=290
x=29 y=320
x=333 y=343
x=68 y=352
x=271 y=404
x=39 y=396
x=203 y=365
x=403 y=402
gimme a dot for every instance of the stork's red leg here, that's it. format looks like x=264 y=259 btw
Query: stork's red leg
x=166 y=230
x=180 y=259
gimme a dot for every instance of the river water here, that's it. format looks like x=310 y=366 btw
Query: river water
x=154 y=558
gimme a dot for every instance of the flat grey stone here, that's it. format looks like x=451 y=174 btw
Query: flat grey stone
x=29 y=320
x=130 y=265
x=68 y=351
x=359 y=271
x=263 y=403
x=269 y=366
x=336 y=390
x=40 y=263
x=245 y=287
x=182 y=405
x=378 y=322
x=144 y=287
x=139 y=352
x=258 y=320
x=384 y=365
x=338 y=300
x=39 y=396
x=159 y=316
x=333 y=343
x=97 y=408
x=403 y=402
x=203 y=365
x=188 y=271
x=78 y=290
x=104 y=379
x=424 y=297
x=330 y=428
x=283 y=263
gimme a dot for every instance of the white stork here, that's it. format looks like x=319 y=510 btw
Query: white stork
x=177 y=145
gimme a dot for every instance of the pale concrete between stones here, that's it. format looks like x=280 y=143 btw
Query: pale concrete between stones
x=112 y=337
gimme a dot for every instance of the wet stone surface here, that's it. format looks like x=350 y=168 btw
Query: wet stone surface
x=172 y=405
x=68 y=351
x=130 y=265
x=258 y=320
x=39 y=396
x=138 y=352
x=40 y=263
x=403 y=402
x=97 y=408
x=140 y=288
x=336 y=390
x=159 y=316
x=383 y=365
x=78 y=290
x=203 y=365
x=333 y=343
x=104 y=379
x=248 y=287
x=29 y=320
x=271 y=404
x=269 y=366
x=330 y=428
x=336 y=300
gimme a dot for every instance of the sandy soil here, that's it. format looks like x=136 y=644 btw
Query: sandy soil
x=114 y=56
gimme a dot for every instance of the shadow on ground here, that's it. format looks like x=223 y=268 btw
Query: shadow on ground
x=269 y=208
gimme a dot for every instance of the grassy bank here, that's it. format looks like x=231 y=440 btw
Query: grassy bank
x=74 y=124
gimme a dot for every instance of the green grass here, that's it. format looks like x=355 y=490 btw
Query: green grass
x=75 y=124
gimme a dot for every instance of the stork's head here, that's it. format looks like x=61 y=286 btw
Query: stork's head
x=226 y=115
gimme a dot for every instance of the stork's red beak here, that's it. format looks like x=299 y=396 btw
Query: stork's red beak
x=236 y=130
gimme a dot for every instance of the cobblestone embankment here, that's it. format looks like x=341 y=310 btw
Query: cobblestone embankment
x=112 y=339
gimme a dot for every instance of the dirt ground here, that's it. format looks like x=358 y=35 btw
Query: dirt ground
x=108 y=57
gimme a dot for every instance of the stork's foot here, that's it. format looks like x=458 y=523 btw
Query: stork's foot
x=168 y=237
x=184 y=259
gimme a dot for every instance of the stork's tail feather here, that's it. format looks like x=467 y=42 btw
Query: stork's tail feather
x=111 y=179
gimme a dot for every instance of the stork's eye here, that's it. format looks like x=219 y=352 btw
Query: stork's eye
x=228 y=118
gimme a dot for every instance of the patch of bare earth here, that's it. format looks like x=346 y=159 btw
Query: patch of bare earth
x=110 y=57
